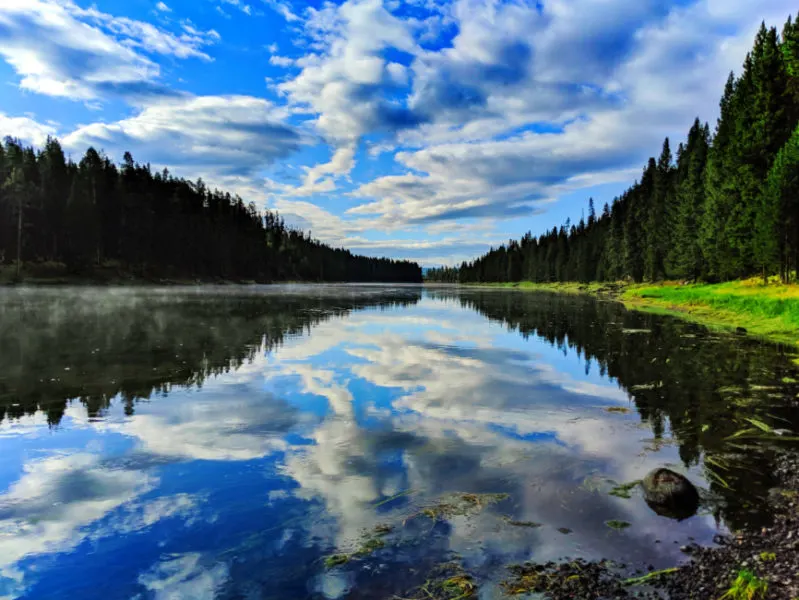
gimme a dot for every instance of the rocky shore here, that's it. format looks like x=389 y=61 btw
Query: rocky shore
x=760 y=564
x=770 y=554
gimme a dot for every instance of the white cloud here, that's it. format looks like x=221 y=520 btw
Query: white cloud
x=221 y=138
x=184 y=576
x=60 y=49
x=26 y=129
x=242 y=6
x=494 y=110
x=49 y=508
x=283 y=9
x=342 y=81
x=281 y=61
x=659 y=67
x=163 y=7
x=462 y=405
x=316 y=180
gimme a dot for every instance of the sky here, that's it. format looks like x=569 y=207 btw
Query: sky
x=405 y=128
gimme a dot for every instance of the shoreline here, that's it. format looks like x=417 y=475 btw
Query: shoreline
x=770 y=312
x=751 y=564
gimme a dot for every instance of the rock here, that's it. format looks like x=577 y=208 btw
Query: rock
x=670 y=494
x=740 y=331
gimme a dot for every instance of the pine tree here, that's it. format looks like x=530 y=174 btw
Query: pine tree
x=658 y=225
x=777 y=224
x=686 y=257
x=717 y=190
x=635 y=237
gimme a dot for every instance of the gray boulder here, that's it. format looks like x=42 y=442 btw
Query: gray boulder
x=670 y=494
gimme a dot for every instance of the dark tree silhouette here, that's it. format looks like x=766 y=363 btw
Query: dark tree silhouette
x=94 y=217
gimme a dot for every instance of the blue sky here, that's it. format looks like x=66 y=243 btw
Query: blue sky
x=406 y=128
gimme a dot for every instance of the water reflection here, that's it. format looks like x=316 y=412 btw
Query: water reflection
x=222 y=442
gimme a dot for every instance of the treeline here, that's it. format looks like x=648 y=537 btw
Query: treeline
x=728 y=207
x=94 y=214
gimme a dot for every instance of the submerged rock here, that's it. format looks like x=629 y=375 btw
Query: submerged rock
x=670 y=494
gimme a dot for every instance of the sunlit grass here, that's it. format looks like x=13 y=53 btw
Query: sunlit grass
x=770 y=310
x=747 y=586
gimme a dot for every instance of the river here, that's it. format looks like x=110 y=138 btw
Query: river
x=225 y=442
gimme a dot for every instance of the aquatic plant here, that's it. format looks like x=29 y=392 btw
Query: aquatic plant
x=447 y=581
x=650 y=576
x=510 y=521
x=335 y=560
x=575 y=579
x=460 y=505
x=617 y=525
x=624 y=490
x=747 y=586
x=763 y=431
x=372 y=542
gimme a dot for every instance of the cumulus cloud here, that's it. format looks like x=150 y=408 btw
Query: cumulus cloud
x=283 y=9
x=594 y=89
x=316 y=177
x=473 y=110
x=26 y=129
x=281 y=61
x=251 y=428
x=345 y=81
x=184 y=576
x=60 y=49
x=216 y=137
x=49 y=508
x=475 y=411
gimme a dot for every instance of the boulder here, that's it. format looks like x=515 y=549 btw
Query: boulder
x=670 y=494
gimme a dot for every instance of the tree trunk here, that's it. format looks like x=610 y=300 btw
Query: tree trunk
x=19 y=238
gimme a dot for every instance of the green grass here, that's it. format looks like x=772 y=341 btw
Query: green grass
x=569 y=287
x=747 y=586
x=767 y=310
x=770 y=311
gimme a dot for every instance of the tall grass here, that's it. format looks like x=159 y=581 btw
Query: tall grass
x=770 y=310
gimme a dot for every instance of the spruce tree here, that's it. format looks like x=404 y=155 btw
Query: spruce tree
x=658 y=224
x=686 y=257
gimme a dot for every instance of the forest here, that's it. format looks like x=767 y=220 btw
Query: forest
x=57 y=216
x=726 y=207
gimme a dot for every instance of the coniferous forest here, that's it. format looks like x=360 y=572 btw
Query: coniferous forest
x=725 y=205
x=57 y=215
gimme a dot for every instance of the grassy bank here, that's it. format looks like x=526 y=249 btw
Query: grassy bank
x=770 y=311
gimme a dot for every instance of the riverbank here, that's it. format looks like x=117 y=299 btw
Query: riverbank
x=754 y=564
x=770 y=311
x=52 y=274
x=109 y=275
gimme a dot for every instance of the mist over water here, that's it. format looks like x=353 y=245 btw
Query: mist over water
x=222 y=442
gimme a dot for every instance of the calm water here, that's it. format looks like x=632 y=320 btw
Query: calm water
x=220 y=443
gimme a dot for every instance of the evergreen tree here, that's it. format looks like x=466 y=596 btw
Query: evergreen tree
x=686 y=255
x=658 y=224
x=777 y=225
x=94 y=215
